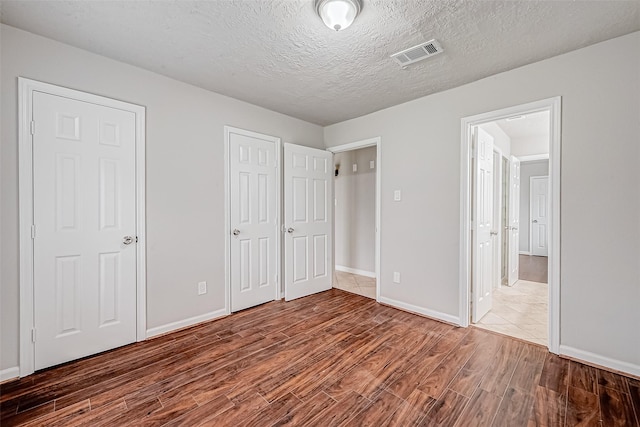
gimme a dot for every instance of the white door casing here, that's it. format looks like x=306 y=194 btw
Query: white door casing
x=254 y=220
x=483 y=266
x=539 y=212
x=84 y=211
x=308 y=192
x=514 y=221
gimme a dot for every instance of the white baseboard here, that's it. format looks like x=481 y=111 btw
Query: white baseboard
x=9 y=374
x=365 y=273
x=525 y=253
x=181 y=324
x=421 y=310
x=596 y=359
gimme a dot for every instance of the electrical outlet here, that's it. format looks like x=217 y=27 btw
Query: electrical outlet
x=397 y=195
x=372 y=164
x=355 y=167
x=396 y=277
x=202 y=288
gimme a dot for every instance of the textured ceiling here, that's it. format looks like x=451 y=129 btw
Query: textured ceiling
x=279 y=55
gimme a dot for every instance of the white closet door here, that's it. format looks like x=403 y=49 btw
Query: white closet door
x=85 y=227
x=514 y=221
x=307 y=220
x=539 y=215
x=254 y=220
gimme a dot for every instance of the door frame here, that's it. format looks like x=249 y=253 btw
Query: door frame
x=531 y=211
x=228 y=130
x=553 y=105
x=26 y=88
x=497 y=195
x=370 y=142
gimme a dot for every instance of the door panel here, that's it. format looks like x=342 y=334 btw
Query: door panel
x=482 y=272
x=514 y=221
x=84 y=204
x=539 y=215
x=307 y=196
x=253 y=219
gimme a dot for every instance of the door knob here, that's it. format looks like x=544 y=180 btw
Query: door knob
x=494 y=233
x=535 y=220
x=235 y=231
x=289 y=230
x=127 y=240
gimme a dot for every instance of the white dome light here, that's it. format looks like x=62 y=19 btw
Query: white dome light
x=338 y=14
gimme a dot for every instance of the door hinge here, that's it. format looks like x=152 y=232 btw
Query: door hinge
x=32 y=127
x=33 y=335
x=33 y=231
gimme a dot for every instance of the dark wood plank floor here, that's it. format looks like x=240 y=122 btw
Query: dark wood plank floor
x=330 y=359
x=533 y=268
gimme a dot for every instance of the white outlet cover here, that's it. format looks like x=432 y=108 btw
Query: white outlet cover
x=372 y=164
x=202 y=288
x=355 y=167
x=397 y=195
x=396 y=277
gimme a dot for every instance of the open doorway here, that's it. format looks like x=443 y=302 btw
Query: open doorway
x=510 y=283
x=356 y=217
x=519 y=227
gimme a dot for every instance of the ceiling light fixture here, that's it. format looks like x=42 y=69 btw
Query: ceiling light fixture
x=338 y=14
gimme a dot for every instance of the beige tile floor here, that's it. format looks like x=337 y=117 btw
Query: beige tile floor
x=520 y=311
x=361 y=285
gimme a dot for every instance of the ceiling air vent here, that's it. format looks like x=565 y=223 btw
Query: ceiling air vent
x=417 y=53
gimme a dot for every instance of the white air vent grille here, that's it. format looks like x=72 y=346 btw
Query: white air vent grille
x=417 y=53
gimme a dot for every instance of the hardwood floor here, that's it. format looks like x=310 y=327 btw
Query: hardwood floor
x=533 y=268
x=333 y=358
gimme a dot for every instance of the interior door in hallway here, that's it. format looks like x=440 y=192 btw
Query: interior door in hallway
x=539 y=215
x=84 y=228
x=253 y=218
x=514 y=220
x=483 y=254
x=307 y=219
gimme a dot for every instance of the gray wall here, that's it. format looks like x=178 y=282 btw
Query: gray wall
x=355 y=213
x=527 y=170
x=600 y=268
x=185 y=172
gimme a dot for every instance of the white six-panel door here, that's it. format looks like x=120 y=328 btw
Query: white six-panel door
x=482 y=272
x=85 y=226
x=539 y=215
x=514 y=220
x=307 y=220
x=253 y=218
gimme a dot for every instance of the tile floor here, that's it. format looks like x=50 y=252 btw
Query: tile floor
x=361 y=285
x=520 y=311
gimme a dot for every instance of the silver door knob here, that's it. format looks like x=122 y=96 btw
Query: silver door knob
x=535 y=220
x=289 y=230
x=494 y=233
x=127 y=240
x=236 y=232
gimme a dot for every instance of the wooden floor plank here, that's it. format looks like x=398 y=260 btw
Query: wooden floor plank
x=328 y=359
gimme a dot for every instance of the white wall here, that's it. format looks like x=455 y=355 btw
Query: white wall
x=185 y=172
x=600 y=265
x=355 y=213
x=530 y=146
x=527 y=170
x=500 y=139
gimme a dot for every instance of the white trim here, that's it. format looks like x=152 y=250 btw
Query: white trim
x=26 y=88
x=533 y=157
x=228 y=130
x=377 y=142
x=181 y=324
x=364 y=273
x=437 y=315
x=553 y=105
x=596 y=359
x=525 y=252
x=9 y=374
